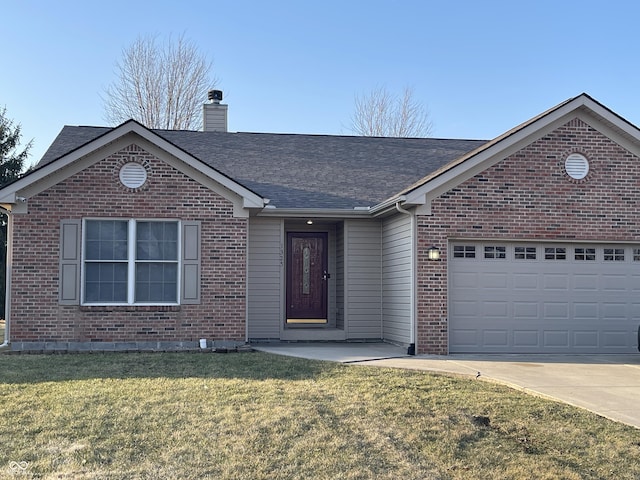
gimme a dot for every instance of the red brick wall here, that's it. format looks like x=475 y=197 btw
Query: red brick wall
x=97 y=192
x=529 y=196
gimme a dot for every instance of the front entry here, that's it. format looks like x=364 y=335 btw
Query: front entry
x=307 y=276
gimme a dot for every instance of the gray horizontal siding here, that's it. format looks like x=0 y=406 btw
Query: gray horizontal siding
x=396 y=278
x=264 y=278
x=363 y=272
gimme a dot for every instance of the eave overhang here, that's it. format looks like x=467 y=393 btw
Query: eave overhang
x=11 y=193
x=323 y=213
x=583 y=107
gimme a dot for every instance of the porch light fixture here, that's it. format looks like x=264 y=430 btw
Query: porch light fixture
x=309 y=222
x=433 y=253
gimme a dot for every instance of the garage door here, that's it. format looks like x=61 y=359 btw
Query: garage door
x=543 y=298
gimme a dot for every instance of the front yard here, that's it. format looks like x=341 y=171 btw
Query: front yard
x=258 y=416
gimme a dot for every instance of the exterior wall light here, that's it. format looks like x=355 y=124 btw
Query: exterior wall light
x=433 y=253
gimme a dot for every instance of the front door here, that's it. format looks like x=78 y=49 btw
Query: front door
x=307 y=278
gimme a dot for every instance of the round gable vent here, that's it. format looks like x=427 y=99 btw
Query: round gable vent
x=133 y=175
x=576 y=166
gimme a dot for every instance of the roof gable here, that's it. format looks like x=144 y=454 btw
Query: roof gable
x=583 y=106
x=96 y=143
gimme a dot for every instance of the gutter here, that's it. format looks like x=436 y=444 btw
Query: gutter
x=7 y=293
x=390 y=204
x=412 y=292
x=271 y=211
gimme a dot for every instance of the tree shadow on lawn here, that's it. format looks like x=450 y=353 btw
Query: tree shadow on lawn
x=84 y=366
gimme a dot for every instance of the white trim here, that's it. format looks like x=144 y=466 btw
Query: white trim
x=9 y=194
x=246 y=283
x=456 y=172
x=346 y=295
x=8 y=275
x=324 y=213
x=413 y=313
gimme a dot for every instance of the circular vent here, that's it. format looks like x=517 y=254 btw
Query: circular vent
x=133 y=175
x=576 y=166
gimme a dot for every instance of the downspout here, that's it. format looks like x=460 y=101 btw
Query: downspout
x=7 y=292
x=412 y=294
x=246 y=287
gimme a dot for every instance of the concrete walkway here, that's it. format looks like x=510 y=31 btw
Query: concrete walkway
x=608 y=385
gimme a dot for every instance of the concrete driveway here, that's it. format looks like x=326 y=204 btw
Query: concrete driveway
x=608 y=385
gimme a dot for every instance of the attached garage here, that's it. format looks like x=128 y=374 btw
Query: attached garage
x=528 y=297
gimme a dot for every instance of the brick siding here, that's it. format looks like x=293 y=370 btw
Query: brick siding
x=97 y=192
x=528 y=196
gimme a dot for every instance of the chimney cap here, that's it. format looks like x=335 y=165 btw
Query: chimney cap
x=215 y=96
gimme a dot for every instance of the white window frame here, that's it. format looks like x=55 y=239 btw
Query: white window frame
x=131 y=262
x=467 y=251
x=494 y=252
x=525 y=255
x=616 y=254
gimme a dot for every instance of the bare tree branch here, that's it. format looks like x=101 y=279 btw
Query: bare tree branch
x=381 y=114
x=161 y=86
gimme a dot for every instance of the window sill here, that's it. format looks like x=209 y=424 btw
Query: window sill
x=130 y=308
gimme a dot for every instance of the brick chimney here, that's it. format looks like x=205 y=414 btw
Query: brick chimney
x=214 y=113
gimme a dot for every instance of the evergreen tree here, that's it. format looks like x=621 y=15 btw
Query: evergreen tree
x=12 y=162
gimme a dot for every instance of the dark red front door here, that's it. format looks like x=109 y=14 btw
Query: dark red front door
x=307 y=278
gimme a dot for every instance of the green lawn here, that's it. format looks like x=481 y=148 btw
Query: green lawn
x=255 y=416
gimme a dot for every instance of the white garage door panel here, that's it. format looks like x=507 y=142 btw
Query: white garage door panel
x=525 y=281
x=525 y=310
x=543 y=305
x=583 y=282
x=526 y=338
x=586 y=339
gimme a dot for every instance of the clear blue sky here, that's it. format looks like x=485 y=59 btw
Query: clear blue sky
x=480 y=67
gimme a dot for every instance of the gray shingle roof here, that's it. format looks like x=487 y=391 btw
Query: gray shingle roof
x=309 y=171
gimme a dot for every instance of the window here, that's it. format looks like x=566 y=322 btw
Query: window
x=636 y=254
x=525 y=253
x=613 y=254
x=129 y=261
x=106 y=265
x=464 y=251
x=495 y=252
x=555 y=253
x=588 y=254
x=156 y=276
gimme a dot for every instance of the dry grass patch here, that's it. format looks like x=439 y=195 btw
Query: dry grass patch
x=257 y=416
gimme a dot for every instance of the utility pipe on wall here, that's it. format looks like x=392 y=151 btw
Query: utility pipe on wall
x=7 y=290
x=412 y=295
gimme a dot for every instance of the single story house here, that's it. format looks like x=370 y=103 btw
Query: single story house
x=129 y=238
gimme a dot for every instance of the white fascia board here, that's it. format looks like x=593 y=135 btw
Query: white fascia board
x=207 y=176
x=628 y=138
x=502 y=148
x=250 y=199
x=153 y=142
x=609 y=118
x=8 y=198
x=11 y=191
x=313 y=213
